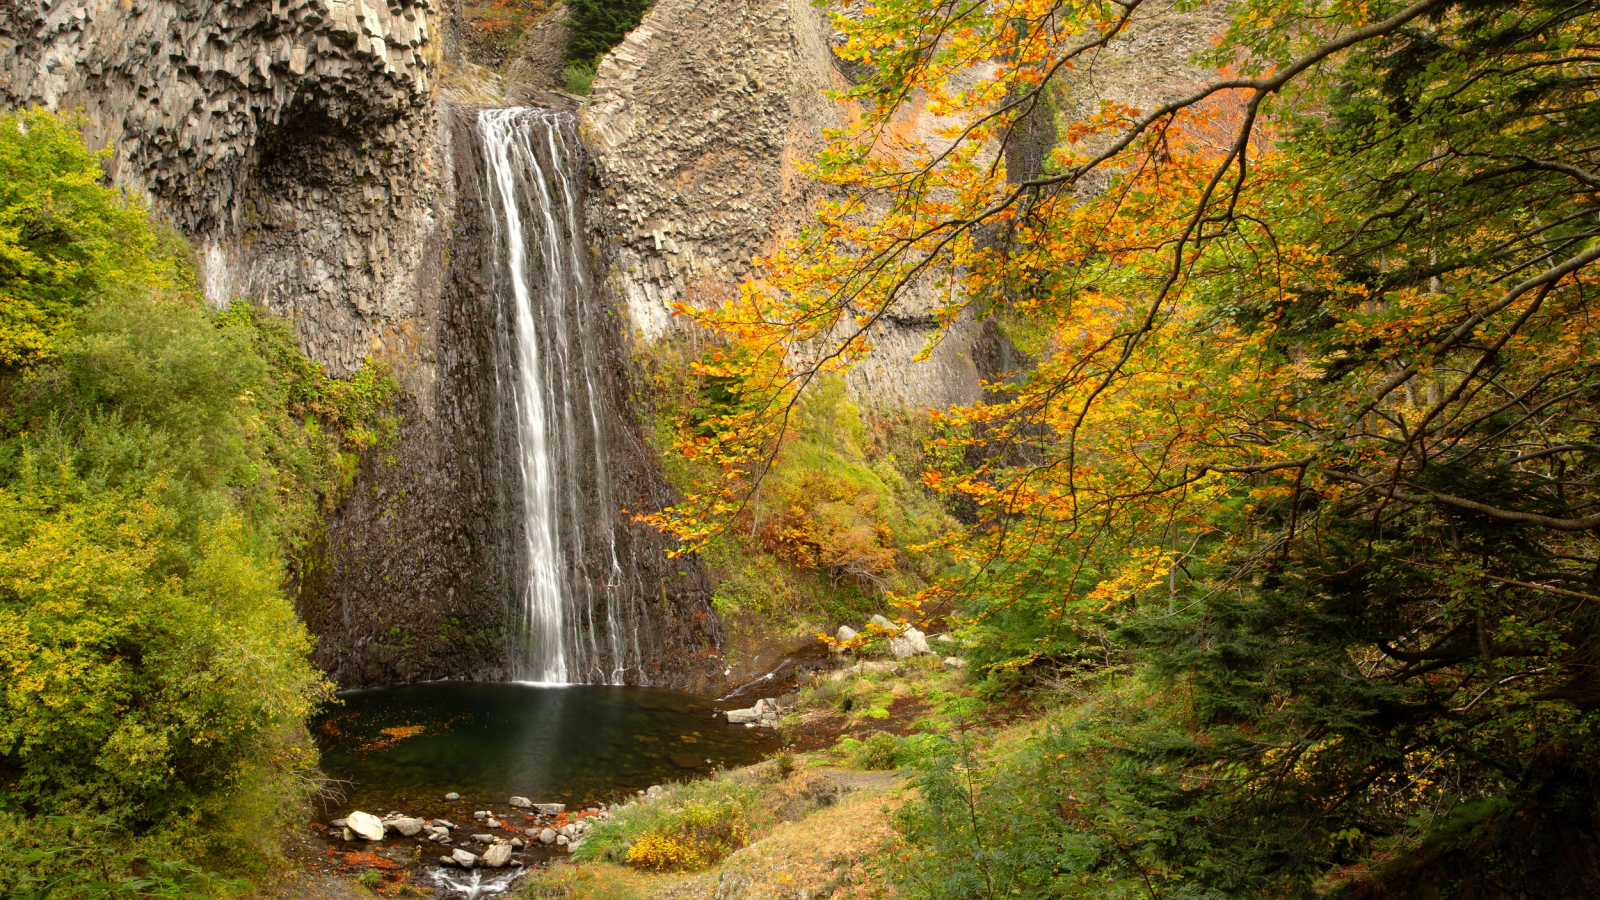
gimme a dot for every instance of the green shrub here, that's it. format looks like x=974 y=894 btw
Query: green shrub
x=578 y=78
x=64 y=238
x=887 y=751
x=156 y=463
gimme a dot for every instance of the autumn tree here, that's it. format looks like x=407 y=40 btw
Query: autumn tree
x=1310 y=444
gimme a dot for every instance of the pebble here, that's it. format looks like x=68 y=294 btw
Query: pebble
x=452 y=796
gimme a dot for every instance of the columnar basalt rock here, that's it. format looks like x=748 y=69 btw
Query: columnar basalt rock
x=293 y=139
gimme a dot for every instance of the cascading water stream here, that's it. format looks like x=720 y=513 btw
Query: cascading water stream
x=578 y=617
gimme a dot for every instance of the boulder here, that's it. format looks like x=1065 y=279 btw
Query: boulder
x=561 y=840
x=846 y=634
x=521 y=802
x=549 y=809
x=463 y=858
x=405 y=825
x=741 y=716
x=881 y=622
x=366 y=825
x=548 y=836
x=497 y=856
x=447 y=860
x=908 y=643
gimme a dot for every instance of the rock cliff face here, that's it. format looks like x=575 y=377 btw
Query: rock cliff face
x=699 y=124
x=291 y=138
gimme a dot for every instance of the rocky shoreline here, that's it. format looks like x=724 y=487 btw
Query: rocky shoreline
x=499 y=839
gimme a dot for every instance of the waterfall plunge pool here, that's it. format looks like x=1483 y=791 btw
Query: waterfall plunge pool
x=406 y=747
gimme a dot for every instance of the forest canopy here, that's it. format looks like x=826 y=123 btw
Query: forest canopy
x=1298 y=497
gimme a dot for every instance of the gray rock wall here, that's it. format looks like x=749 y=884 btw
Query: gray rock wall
x=293 y=139
x=699 y=124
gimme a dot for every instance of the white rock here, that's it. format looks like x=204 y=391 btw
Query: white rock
x=497 y=856
x=549 y=809
x=908 y=643
x=463 y=858
x=366 y=825
x=521 y=802
x=741 y=716
x=548 y=836
x=562 y=841
x=846 y=634
x=452 y=796
x=954 y=662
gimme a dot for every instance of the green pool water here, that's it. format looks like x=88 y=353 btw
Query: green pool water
x=406 y=747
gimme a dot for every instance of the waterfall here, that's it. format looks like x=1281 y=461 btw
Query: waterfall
x=577 y=618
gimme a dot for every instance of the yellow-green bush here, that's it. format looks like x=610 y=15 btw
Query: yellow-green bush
x=693 y=836
x=156 y=462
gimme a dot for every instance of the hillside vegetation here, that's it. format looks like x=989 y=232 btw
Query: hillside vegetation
x=160 y=464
